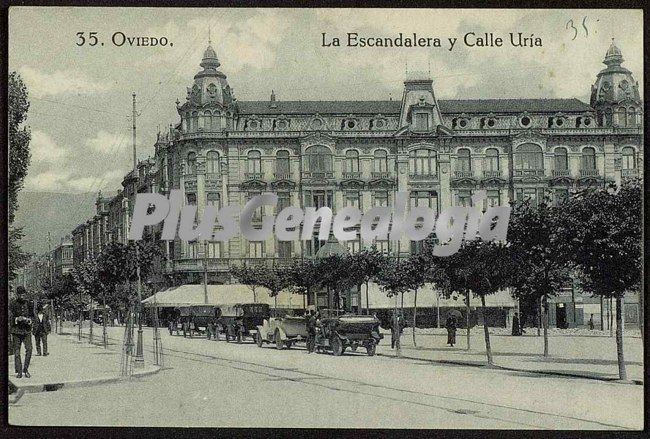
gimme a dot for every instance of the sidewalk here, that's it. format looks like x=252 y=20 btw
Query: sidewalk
x=70 y=364
x=569 y=354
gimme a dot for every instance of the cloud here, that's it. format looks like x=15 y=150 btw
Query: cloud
x=106 y=143
x=48 y=181
x=45 y=150
x=42 y=84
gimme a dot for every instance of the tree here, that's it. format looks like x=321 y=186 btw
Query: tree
x=275 y=279
x=602 y=229
x=249 y=276
x=19 y=158
x=482 y=268
x=61 y=293
x=395 y=278
x=432 y=271
x=303 y=278
x=540 y=255
x=334 y=275
x=361 y=267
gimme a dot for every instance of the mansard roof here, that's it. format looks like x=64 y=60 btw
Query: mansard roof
x=393 y=107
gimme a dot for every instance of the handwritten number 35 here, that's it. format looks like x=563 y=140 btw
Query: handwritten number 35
x=575 y=30
x=92 y=39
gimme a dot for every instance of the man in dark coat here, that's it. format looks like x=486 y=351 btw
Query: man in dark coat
x=311 y=331
x=516 y=325
x=41 y=328
x=20 y=318
x=451 y=325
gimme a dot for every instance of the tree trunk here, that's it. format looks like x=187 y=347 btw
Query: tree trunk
x=622 y=373
x=641 y=313
x=367 y=300
x=415 y=313
x=610 y=313
x=602 y=315
x=104 y=317
x=545 y=322
x=539 y=316
x=90 y=328
x=486 y=332
x=467 y=319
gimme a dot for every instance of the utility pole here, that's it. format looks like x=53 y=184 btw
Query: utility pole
x=139 y=355
x=205 y=272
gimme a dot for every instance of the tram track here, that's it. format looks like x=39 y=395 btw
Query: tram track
x=450 y=404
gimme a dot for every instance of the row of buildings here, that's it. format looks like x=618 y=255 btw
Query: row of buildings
x=360 y=153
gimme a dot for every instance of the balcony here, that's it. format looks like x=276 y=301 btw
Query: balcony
x=423 y=177
x=381 y=175
x=529 y=172
x=630 y=173
x=318 y=174
x=253 y=176
x=589 y=173
x=282 y=175
x=492 y=174
x=351 y=175
x=561 y=173
x=463 y=174
x=212 y=176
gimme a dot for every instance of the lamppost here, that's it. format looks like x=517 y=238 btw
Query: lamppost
x=139 y=357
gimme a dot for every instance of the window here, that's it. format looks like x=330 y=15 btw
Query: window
x=195 y=121
x=422 y=121
x=207 y=120
x=382 y=246
x=352 y=198
x=631 y=117
x=422 y=162
x=282 y=165
x=465 y=198
x=212 y=162
x=284 y=249
x=257 y=214
x=588 y=159
x=191 y=199
x=529 y=156
x=491 y=159
x=493 y=198
x=192 y=250
x=425 y=199
x=353 y=246
x=256 y=249
x=561 y=195
x=380 y=161
x=284 y=200
x=318 y=198
x=380 y=198
x=216 y=121
x=464 y=160
x=561 y=162
x=254 y=162
x=527 y=194
x=629 y=158
x=351 y=160
x=191 y=163
x=213 y=249
x=319 y=159
x=213 y=199
x=525 y=121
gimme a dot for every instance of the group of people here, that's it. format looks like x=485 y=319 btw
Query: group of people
x=24 y=322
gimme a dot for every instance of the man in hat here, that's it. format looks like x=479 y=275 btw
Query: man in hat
x=20 y=318
x=41 y=327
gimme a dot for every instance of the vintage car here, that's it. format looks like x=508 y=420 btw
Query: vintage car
x=283 y=331
x=241 y=320
x=194 y=319
x=337 y=333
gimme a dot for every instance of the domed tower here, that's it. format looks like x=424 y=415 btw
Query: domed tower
x=210 y=103
x=615 y=95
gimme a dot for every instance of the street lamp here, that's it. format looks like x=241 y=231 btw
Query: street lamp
x=139 y=356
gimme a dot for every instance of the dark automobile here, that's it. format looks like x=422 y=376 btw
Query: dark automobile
x=198 y=319
x=241 y=320
x=335 y=334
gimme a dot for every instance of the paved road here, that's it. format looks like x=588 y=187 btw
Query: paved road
x=212 y=384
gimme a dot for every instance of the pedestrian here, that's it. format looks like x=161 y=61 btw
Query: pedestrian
x=591 y=322
x=20 y=316
x=451 y=325
x=397 y=324
x=311 y=331
x=40 y=329
x=516 y=325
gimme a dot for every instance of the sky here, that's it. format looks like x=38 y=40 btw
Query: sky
x=81 y=96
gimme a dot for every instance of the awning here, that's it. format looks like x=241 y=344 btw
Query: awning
x=186 y=295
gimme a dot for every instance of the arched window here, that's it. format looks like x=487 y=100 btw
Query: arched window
x=195 y=120
x=631 y=117
x=319 y=159
x=254 y=162
x=216 y=121
x=620 y=117
x=464 y=160
x=188 y=122
x=422 y=162
x=588 y=159
x=282 y=164
x=207 y=120
x=629 y=158
x=561 y=162
x=492 y=159
x=212 y=162
x=529 y=157
x=380 y=160
x=191 y=163
x=351 y=160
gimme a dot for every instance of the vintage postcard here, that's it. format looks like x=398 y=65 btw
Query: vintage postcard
x=326 y=218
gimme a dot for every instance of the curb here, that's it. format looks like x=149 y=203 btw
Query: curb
x=514 y=369
x=35 y=388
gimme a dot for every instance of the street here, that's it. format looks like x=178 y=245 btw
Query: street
x=218 y=384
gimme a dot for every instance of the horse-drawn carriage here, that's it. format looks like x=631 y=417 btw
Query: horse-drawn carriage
x=241 y=320
x=336 y=333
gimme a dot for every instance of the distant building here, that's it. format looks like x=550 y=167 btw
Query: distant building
x=62 y=257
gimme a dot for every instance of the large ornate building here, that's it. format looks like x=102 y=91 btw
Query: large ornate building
x=341 y=153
